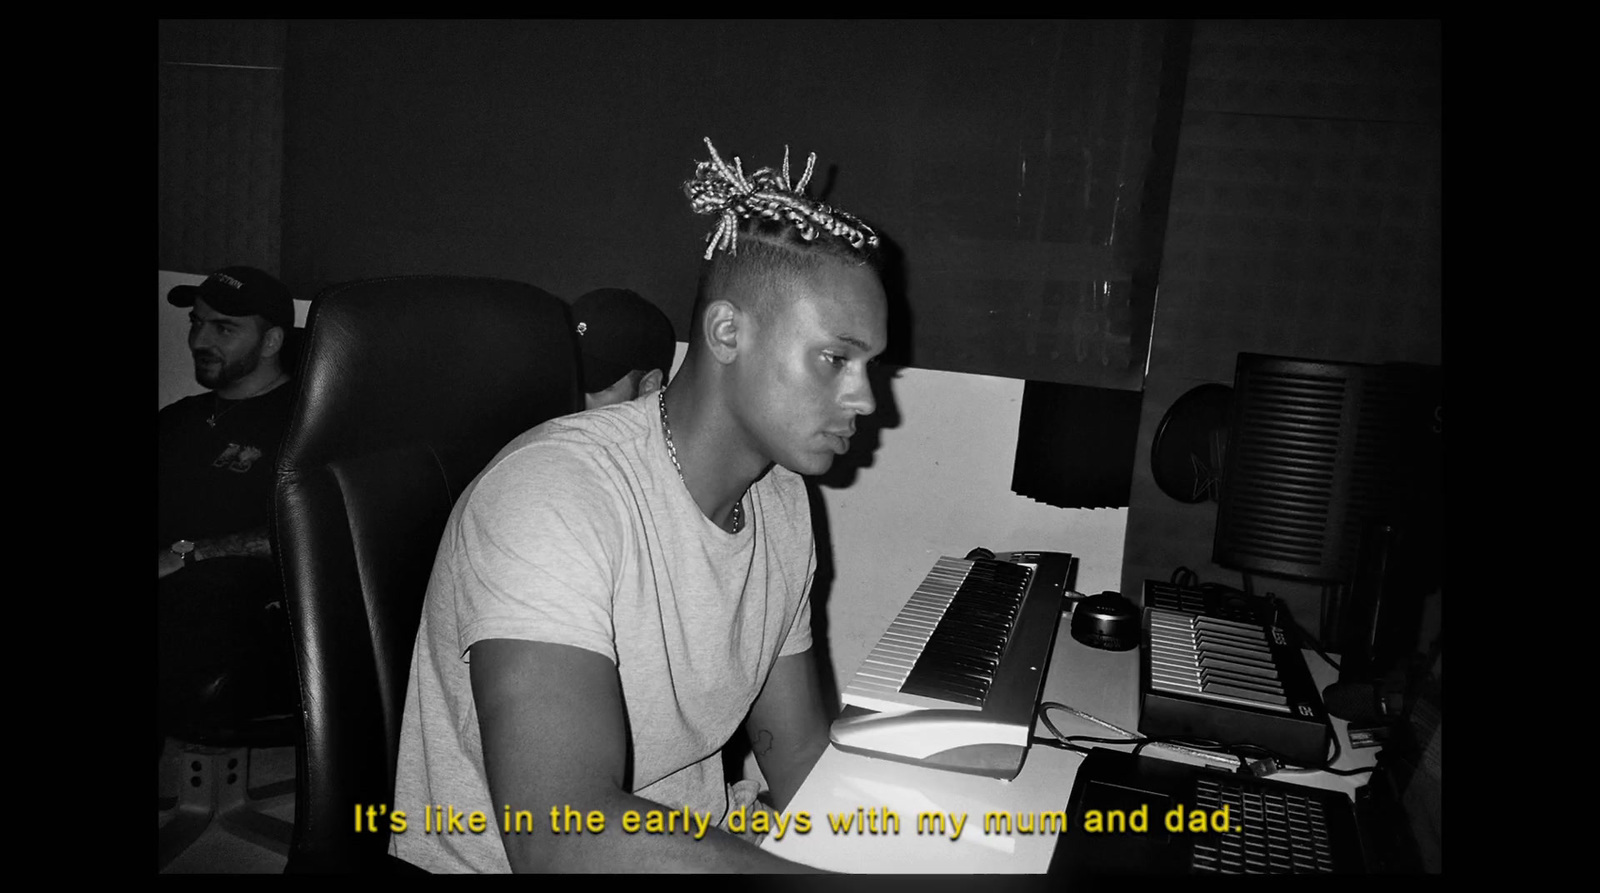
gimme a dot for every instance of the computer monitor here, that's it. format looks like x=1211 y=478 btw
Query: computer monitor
x=1334 y=475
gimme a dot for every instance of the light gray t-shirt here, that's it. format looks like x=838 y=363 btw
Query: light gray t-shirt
x=580 y=532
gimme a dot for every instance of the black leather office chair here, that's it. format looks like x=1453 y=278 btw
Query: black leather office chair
x=409 y=386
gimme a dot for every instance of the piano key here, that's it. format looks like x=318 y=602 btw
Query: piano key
x=952 y=631
x=975 y=679
x=1218 y=688
x=882 y=667
x=1221 y=623
x=1209 y=661
x=1252 y=667
x=943 y=693
x=1224 y=697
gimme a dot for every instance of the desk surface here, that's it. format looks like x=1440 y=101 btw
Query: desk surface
x=1102 y=683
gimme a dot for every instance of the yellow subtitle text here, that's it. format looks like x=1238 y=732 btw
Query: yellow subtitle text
x=878 y=820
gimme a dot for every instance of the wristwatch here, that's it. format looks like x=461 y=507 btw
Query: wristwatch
x=185 y=549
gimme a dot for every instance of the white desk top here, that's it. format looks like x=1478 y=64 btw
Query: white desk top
x=1102 y=683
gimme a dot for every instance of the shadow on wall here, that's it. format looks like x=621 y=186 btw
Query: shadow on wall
x=896 y=355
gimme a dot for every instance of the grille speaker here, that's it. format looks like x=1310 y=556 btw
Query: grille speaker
x=1315 y=456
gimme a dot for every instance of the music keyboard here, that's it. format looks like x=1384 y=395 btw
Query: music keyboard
x=1229 y=679
x=955 y=680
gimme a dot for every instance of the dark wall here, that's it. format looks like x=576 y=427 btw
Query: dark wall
x=1006 y=161
x=219 y=162
x=1305 y=221
x=1304 y=215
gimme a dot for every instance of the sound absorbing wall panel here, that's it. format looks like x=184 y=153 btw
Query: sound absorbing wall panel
x=1017 y=167
x=219 y=144
x=1306 y=220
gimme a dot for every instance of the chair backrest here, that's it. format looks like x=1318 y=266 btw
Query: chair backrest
x=408 y=387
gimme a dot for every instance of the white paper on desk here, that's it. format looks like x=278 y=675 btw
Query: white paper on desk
x=912 y=802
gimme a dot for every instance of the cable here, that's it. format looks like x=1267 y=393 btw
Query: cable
x=1253 y=759
x=1201 y=748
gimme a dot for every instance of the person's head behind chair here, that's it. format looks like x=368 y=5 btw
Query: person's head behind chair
x=790 y=307
x=626 y=345
x=238 y=322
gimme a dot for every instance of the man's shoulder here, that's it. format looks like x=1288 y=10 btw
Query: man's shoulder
x=786 y=505
x=590 y=431
x=579 y=445
x=278 y=403
x=186 y=404
x=271 y=409
x=279 y=399
x=283 y=393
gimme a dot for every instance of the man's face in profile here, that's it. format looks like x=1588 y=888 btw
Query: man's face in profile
x=225 y=348
x=805 y=380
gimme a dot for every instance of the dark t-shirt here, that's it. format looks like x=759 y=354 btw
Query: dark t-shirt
x=216 y=480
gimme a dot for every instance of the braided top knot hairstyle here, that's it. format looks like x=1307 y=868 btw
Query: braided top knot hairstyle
x=768 y=228
x=766 y=194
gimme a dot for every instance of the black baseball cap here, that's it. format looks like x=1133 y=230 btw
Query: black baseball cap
x=240 y=291
x=618 y=332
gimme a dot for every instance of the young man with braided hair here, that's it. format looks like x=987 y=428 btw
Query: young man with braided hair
x=622 y=589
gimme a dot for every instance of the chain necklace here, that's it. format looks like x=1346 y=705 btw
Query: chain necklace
x=218 y=410
x=666 y=429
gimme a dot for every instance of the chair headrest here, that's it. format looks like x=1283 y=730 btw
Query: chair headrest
x=402 y=359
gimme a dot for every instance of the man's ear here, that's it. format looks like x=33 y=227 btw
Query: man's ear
x=720 y=326
x=272 y=341
x=651 y=382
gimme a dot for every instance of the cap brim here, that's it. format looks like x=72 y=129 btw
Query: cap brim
x=183 y=295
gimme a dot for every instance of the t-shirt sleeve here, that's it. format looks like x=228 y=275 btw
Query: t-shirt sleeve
x=798 y=639
x=531 y=552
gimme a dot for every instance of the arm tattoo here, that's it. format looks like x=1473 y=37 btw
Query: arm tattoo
x=252 y=543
